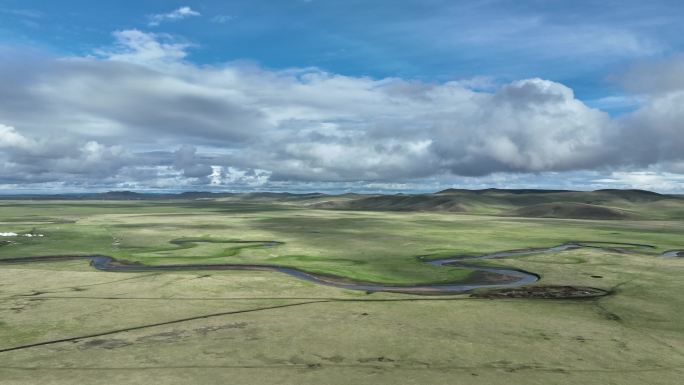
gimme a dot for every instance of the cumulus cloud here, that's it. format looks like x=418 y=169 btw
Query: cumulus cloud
x=178 y=14
x=10 y=138
x=186 y=160
x=38 y=160
x=655 y=77
x=140 y=114
x=654 y=133
x=134 y=46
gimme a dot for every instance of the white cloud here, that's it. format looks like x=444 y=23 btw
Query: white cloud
x=140 y=114
x=222 y=19
x=134 y=46
x=232 y=177
x=618 y=102
x=645 y=180
x=178 y=14
x=10 y=138
x=655 y=77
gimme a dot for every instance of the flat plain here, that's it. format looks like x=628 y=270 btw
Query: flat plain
x=63 y=322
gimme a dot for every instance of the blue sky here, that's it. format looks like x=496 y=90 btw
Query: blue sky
x=592 y=58
x=580 y=43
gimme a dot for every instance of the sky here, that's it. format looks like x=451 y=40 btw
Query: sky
x=337 y=96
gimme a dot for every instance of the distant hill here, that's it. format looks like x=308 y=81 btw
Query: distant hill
x=569 y=210
x=634 y=195
x=497 y=190
x=608 y=204
x=120 y=196
x=532 y=203
x=395 y=203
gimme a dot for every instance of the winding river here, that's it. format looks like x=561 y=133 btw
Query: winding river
x=481 y=276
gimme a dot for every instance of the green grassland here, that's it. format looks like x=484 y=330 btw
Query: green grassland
x=252 y=327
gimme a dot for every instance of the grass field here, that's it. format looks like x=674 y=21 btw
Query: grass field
x=267 y=328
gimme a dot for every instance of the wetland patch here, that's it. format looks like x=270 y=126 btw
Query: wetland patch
x=507 y=281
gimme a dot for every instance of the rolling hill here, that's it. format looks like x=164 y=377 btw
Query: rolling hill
x=608 y=204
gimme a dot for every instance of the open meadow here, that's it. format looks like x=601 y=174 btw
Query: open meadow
x=64 y=322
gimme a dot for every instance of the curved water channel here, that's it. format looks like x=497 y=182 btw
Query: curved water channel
x=482 y=276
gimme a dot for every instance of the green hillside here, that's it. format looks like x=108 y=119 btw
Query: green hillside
x=600 y=204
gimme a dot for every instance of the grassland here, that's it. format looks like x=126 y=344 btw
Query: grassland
x=267 y=328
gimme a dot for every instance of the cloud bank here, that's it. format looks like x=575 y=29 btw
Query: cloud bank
x=138 y=114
